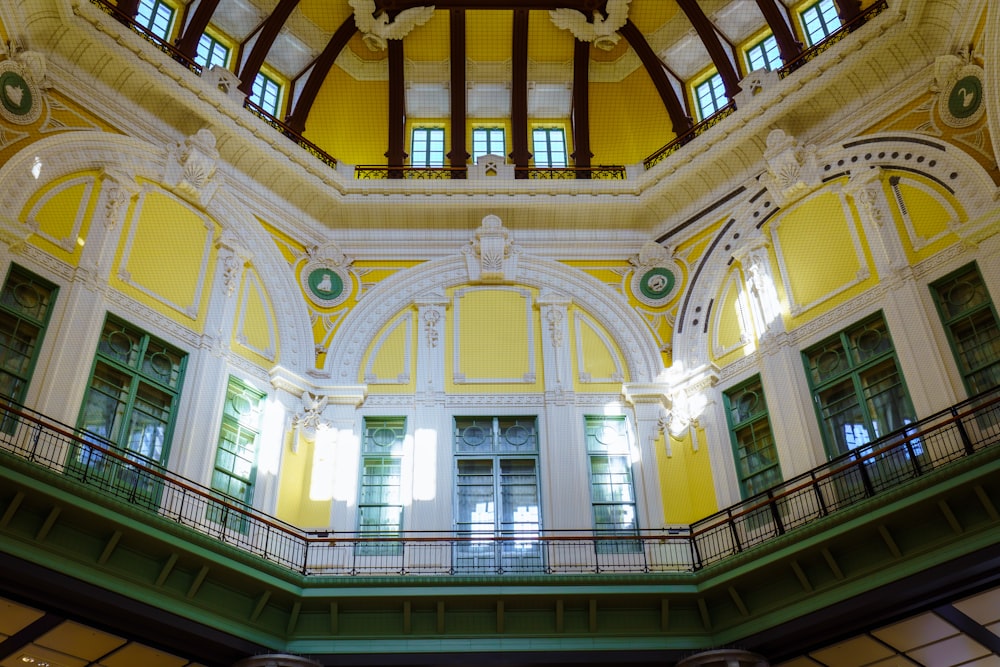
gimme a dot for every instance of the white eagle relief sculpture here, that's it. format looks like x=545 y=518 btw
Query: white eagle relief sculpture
x=375 y=30
x=603 y=32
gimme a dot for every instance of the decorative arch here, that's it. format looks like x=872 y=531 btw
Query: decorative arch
x=605 y=306
x=794 y=171
x=72 y=152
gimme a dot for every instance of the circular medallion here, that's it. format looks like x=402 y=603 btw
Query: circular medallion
x=657 y=283
x=966 y=96
x=17 y=96
x=473 y=436
x=325 y=286
x=517 y=435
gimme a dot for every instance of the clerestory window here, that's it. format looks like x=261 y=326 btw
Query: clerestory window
x=156 y=16
x=710 y=96
x=819 y=21
x=764 y=54
x=266 y=93
x=211 y=52
x=427 y=147
x=970 y=321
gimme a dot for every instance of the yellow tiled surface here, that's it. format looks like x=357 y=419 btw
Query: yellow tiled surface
x=132 y=655
x=854 y=652
x=15 y=617
x=983 y=608
x=917 y=631
x=954 y=651
x=79 y=640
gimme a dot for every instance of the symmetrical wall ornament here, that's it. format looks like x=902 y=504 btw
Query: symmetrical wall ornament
x=958 y=80
x=792 y=169
x=234 y=258
x=656 y=278
x=490 y=256
x=601 y=31
x=191 y=167
x=224 y=79
x=22 y=81
x=375 y=30
x=325 y=277
x=433 y=317
x=310 y=418
x=119 y=188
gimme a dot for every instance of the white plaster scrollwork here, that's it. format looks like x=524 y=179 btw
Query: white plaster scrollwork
x=191 y=167
x=234 y=258
x=310 y=418
x=119 y=189
x=432 y=320
x=490 y=256
x=375 y=30
x=601 y=30
x=555 y=317
x=326 y=276
x=792 y=169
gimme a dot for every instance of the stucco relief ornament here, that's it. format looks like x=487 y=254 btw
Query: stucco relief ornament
x=22 y=79
x=656 y=277
x=601 y=30
x=191 y=166
x=792 y=169
x=310 y=418
x=326 y=278
x=376 y=30
x=490 y=256
x=958 y=80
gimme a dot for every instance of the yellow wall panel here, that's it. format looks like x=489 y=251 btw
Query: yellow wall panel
x=686 y=479
x=731 y=324
x=355 y=118
x=489 y=34
x=63 y=212
x=930 y=212
x=296 y=504
x=389 y=363
x=255 y=331
x=648 y=126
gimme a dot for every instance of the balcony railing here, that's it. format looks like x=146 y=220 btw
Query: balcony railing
x=602 y=172
x=834 y=37
x=687 y=137
x=847 y=481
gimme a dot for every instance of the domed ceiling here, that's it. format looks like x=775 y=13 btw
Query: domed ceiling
x=615 y=72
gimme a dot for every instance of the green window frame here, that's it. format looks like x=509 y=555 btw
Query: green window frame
x=380 y=503
x=612 y=492
x=266 y=93
x=710 y=96
x=859 y=392
x=488 y=141
x=819 y=21
x=764 y=55
x=754 y=451
x=970 y=322
x=26 y=302
x=129 y=406
x=234 y=473
x=497 y=493
x=427 y=147
x=156 y=16
x=549 y=147
x=211 y=52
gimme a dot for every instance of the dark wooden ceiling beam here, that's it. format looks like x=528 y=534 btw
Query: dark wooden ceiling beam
x=710 y=38
x=583 y=5
x=581 y=107
x=679 y=119
x=848 y=10
x=275 y=22
x=188 y=42
x=519 y=93
x=321 y=68
x=777 y=20
x=459 y=153
x=128 y=7
x=396 y=155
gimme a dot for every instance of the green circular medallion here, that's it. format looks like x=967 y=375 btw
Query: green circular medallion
x=15 y=93
x=657 y=283
x=325 y=284
x=965 y=97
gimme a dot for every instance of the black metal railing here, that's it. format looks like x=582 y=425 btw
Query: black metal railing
x=834 y=37
x=282 y=127
x=601 y=172
x=686 y=137
x=847 y=481
x=370 y=172
x=159 y=42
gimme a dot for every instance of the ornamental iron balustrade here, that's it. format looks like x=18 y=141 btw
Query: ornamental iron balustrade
x=603 y=172
x=303 y=143
x=159 y=42
x=831 y=39
x=846 y=481
x=687 y=137
x=366 y=172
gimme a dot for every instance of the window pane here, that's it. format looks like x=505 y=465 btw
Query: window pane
x=156 y=16
x=549 y=144
x=211 y=52
x=971 y=324
x=711 y=96
x=820 y=20
x=764 y=54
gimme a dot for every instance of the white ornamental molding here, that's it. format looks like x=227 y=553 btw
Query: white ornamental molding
x=656 y=275
x=490 y=256
x=792 y=169
x=958 y=81
x=310 y=418
x=119 y=188
x=234 y=257
x=376 y=30
x=600 y=30
x=22 y=84
x=326 y=276
x=191 y=165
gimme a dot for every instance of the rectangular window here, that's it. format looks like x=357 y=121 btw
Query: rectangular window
x=130 y=406
x=266 y=94
x=971 y=324
x=497 y=495
x=25 y=307
x=819 y=21
x=236 y=453
x=156 y=16
x=380 y=506
x=710 y=96
x=612 y=494
x=427 y=147
x=764 y=54
x=211 y=52
x=549 y=144
x=858 y=389
x=487 y=141
x=753 y=444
